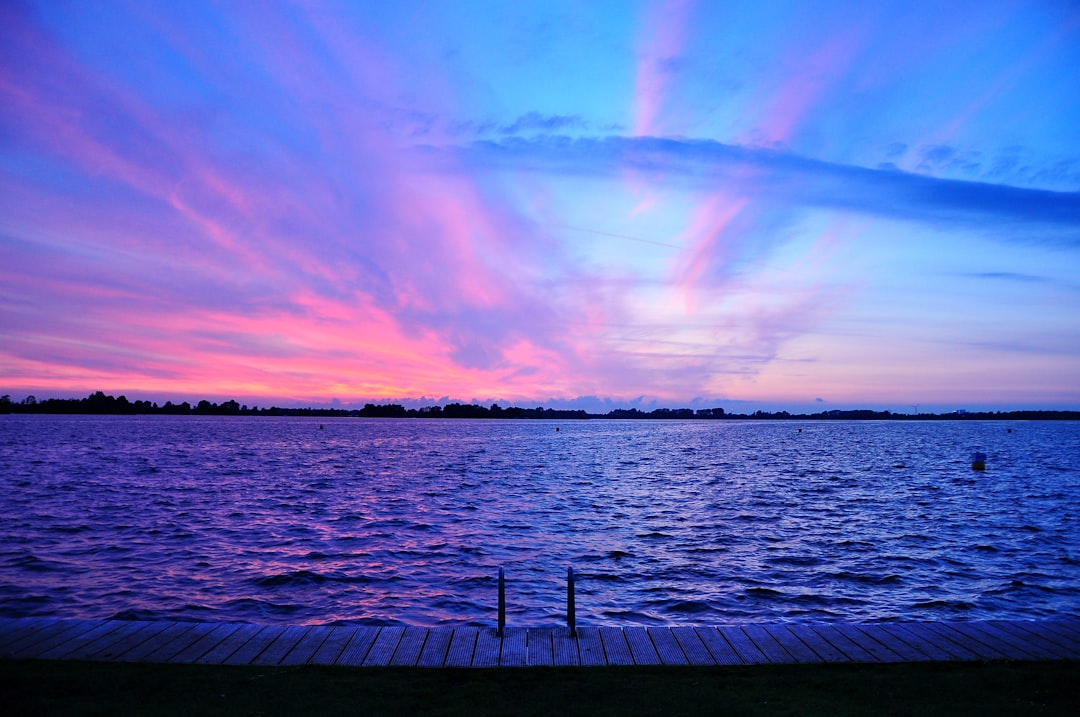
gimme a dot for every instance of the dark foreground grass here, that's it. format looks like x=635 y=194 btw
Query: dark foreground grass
x=999 y=688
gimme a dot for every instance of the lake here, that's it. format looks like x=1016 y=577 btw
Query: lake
x=383 y=521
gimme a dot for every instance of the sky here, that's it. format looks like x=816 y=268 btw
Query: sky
x=797 y=206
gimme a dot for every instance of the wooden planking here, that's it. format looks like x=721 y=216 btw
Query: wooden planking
x=62 y=650
x=408 y=650
x=16 y=629
x=134 y=633
x=1053 y=632
x=152 y=650
x=590 y=646
x=255 y=645
x=641 y=646
x=462 y=645
x=308 y=645
x=488 y=647
x=963 y=641
x=515 y=647
x=383 y=648
x=882 y=634
x=616 y=649
x=1007 y=643
x=238 y=643
x=930 y=643
x=221 y=652
x=692 y=647
x=793 y=644
x=720 y=649
x=851 y=637
x=564 y=649
x=744 y=647
x=769 y=646
x=433 y=654
x=667 y=647
x=48 y=637
x=332 y=647
x=358 y=646
x=540 y=649
x=205 y=643
x=1049 y=648
x=825 y=650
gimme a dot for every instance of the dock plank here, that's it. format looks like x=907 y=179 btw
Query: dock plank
x=964 y=642
x=407 y=653
x=616 y=649
x=17 y=629
x=858 y=641
x=883 y=633
x=358 y=646
x=80 y=643
x=667 y=647
x=334 y=644
x=825 y=650
x=564 y=648
x=515 y=647
x=462 y=645
x=488 y=647
x=1010 y=645
x=49 y=636
x=133 y=634
x=744 y=647
x=641 y=646
x=769 y=646
x=205 y=644
x=246 y=653
x=720 y=649
x=433 y=653
x=383 y=648
x=540 y=648
x=1054 y=631
x=692 y=647
x=276 y=651
x=1032 y=638
x=793 y=644
x=308 y=645
x=590 y=646
x=178 y=643
x=927 y=641
x=224 y=649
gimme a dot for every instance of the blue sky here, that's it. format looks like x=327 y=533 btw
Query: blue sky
x=769 y=205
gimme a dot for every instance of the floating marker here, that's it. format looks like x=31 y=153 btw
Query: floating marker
x=978 y=461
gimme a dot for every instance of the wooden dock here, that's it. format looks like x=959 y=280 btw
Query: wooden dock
x=247 y=644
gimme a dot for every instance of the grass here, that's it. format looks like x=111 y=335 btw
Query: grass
x=998 y=688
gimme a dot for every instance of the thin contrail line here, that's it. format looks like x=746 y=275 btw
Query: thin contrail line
x=618 y=236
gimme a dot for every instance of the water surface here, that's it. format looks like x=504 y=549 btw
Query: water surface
x=380 y=521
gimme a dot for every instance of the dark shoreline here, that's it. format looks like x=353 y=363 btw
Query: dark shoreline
x=102 y=404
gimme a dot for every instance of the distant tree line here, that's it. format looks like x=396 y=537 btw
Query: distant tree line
x=100 y=403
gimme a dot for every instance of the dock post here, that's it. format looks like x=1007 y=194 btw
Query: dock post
x=502 y=602
x=571 y=617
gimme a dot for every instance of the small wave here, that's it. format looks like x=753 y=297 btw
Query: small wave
x=764 y=593
x=653 y=534
x=297 y=578
x=867 y=578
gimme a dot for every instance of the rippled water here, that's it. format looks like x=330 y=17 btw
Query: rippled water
x=385 y=521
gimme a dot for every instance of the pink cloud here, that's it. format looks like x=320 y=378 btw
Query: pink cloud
x=664 y=28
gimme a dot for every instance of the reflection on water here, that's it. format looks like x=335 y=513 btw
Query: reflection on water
x=408 y=521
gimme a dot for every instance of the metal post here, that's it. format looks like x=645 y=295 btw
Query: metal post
x=502 y=602
x=571 y=617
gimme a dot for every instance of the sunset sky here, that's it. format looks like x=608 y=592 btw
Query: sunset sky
x=778 y=205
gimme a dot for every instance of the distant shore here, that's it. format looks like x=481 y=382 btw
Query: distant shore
x=101 y=404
